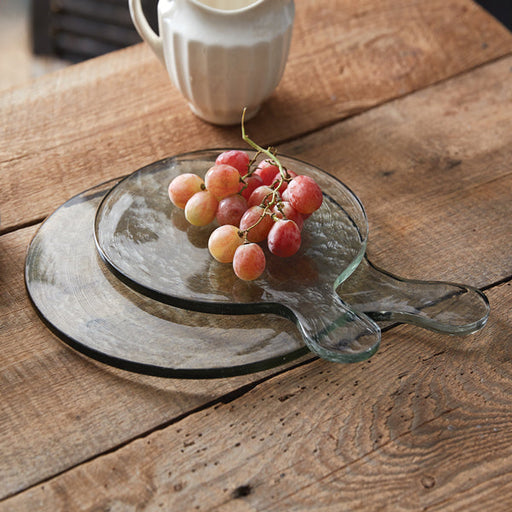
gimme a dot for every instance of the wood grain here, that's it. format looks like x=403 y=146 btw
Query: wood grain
x=433 y=172
x=425 y=424
x=107 y=117
x=63 y=407
x=418 y=426
x=95 y=409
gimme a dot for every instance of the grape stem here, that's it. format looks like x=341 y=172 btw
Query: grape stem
x=259 y=149
x=251 y=165
x=283 y=176
x=266 y=211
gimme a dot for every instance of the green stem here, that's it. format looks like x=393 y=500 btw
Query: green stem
x=266 y=206
x=266 y=211
x=258 y=148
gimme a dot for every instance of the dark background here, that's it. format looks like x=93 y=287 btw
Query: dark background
x=500 y=9
x=77 y=30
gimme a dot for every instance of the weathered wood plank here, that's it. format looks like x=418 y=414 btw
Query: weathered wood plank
x=433 y=171
x=107 y=117
x=423 y=425
x=95 y=409
x=63 y=407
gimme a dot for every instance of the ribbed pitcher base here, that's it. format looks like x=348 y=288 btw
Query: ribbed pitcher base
x=222 y=117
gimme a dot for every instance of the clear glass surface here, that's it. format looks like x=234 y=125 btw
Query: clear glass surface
x=155 y=302
x=148 y=244
x=87 y=307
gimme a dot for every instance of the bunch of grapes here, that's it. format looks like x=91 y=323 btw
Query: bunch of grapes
x=252 y=203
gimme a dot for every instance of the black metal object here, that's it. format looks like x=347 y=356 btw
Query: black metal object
x=500 y=9
x=77 y=30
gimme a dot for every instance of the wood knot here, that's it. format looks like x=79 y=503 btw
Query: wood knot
x=242 y=491
x=428 y=481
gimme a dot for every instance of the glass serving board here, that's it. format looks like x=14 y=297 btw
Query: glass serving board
x=91 y=310
x=147 y=242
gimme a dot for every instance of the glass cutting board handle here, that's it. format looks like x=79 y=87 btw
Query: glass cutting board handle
x=439 y=306
x=334 y=331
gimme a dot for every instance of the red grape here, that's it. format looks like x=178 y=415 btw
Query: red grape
x=251 y=184
x=257 y=229
x=223 y=243
x=285 y=210
x=284 y=238
x=267 y=171
x=236 y=158
x=262 y=195
x=249 y=261
x=201 y=208
x=284 y=184
x=183 y=187
x=304 y=194
x=222 y=181
x=231 y=209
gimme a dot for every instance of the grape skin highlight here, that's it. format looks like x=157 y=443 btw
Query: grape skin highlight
x=236 y=158
x=201 y=208
x=249 y=261
x=183 y=187
x=223 y=243
x=222 y=181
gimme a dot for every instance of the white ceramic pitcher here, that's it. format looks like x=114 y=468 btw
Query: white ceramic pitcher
x=223 y=55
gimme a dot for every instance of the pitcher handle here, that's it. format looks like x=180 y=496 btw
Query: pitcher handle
x=144 y=29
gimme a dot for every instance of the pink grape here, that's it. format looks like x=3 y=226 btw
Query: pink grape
x=279 y=185
x=304 y=194
x=286 y=210
x=267 y=171
x=284 y=238
x=249 y=209
x=222 y=181
x=290 y=174
x=231 y=209
x=183 y=187
x=258 y=229
x=236 y=158
x=286 y=198
x=284 y=185
x=223 y=243
x=251 y=184
x=262 y=195
x=201 y=208
x=249 y=261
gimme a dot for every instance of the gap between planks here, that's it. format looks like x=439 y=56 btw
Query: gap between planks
x=221 y=400
x=361 y=111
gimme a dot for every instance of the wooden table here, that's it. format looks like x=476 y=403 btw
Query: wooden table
x=410 y=104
